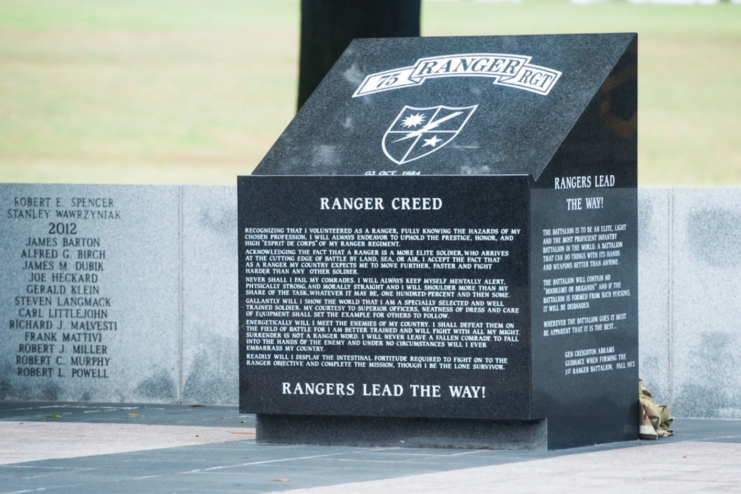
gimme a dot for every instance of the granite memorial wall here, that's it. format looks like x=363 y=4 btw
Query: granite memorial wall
x=93 y=299
x=687 y=264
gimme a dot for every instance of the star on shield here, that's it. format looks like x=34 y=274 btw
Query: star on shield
x=417 y=132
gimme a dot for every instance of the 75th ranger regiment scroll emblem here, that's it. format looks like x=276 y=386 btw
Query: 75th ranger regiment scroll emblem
x=417 y=132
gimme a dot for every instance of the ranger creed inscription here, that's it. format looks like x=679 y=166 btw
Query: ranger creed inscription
x=392 y=299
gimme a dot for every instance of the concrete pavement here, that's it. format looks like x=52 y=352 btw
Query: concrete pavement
x=114 y=448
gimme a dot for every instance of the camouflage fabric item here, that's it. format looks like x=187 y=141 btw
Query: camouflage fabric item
x=654 y=420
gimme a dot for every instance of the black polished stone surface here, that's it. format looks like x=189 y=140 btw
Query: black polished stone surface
x=557 y=112
x=511 y=129
x=401 y=328
x=394 y=432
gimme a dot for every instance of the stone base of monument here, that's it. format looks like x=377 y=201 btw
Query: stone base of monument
x=402 y=432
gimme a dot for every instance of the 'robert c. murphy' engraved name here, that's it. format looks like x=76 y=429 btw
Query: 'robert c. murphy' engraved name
x=506 y=70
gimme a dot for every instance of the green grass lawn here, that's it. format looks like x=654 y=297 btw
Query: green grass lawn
x=196 y=91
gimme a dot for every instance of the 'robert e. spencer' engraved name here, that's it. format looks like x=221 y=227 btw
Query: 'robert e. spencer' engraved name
x=360 y=203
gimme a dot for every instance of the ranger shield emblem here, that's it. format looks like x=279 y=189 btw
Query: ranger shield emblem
x=417 y=132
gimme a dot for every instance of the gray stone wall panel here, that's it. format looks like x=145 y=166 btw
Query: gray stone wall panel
x=210 y=351
x=137 y=227
x=706 y=269
x=654 y=291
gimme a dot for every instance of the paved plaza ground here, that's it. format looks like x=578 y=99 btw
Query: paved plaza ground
x=112 y=448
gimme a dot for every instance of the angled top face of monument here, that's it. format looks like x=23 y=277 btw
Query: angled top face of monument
x=467 y=106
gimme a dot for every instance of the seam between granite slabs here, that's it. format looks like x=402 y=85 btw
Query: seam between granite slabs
x=670 y=297
x=180 y=293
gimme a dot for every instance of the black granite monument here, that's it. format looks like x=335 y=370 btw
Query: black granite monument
x=441 y=249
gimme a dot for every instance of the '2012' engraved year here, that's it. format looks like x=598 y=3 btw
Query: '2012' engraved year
x=62 y=228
